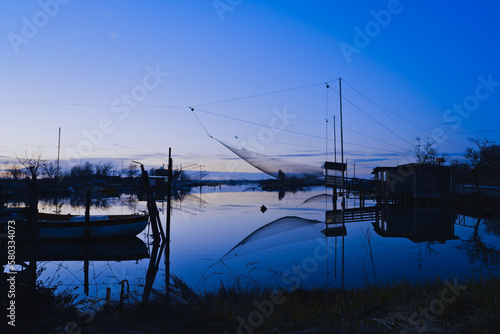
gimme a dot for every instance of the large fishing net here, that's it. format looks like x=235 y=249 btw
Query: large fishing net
x=276 y=167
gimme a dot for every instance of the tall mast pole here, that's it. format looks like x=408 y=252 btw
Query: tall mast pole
x=58 y=153
x=343 y=174
x=341 y=140
x=334 y=140
x=326 y=122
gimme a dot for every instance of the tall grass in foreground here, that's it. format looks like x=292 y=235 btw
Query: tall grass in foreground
x=383 y=308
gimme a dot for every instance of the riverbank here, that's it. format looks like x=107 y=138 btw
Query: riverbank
x=459 y=305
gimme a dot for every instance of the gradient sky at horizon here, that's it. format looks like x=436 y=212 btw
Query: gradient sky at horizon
x=74 y=66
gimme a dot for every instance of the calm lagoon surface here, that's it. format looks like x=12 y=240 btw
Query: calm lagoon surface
x=219 y=236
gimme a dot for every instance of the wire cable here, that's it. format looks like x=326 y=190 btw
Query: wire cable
x=258 y=95
x=374 y=119
x=204 y=128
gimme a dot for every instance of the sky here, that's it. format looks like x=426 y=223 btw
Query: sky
x=120 y=78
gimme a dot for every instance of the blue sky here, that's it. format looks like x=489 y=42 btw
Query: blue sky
x=119 y=77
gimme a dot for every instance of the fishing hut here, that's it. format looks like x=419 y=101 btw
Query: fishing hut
x=414 y=184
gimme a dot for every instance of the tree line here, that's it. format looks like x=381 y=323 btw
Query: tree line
x=479 y=165
x=32 y=165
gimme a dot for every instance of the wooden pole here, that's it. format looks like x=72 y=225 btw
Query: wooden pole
x=87 y=215
x=152 y=209
x=87 y=243
x=169 y=199
x=154 y=263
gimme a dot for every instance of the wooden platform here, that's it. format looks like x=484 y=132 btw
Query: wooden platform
x=352 y=215
x=352 y=184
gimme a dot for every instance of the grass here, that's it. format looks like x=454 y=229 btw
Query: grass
x=384 y=308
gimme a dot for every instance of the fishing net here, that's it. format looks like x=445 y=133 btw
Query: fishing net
x=283 y=231
x=275 y=167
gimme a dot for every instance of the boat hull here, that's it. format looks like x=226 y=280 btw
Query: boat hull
x=60 y=226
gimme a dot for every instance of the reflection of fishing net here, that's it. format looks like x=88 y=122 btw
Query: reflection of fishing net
x=318 y=198
x=283 y=231
x=272 y=166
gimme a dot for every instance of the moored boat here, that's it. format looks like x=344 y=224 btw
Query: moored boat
x=101 y=226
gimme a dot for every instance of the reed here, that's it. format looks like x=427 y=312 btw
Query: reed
x=379 y=308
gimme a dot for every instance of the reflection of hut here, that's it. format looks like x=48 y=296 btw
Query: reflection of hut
x=414 y=181
x=417 y=224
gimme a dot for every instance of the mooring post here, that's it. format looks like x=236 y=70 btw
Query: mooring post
x=33 y=205
x=87 y=243
x=152 y=209
x=87 y=215
x=33 y=219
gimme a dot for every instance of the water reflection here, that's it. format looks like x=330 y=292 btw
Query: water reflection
x=182 y=201
x=221 y=237
x=32 y=255
x=78 y=201
x=478 y=250
x=285 y=251
x=123 y=249
x=417 y=224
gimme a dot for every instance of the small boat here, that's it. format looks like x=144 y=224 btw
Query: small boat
x=96 y=249
x=101 y=226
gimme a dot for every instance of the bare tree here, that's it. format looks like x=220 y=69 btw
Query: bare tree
x=31 y=161
x=483 y=160
x=426 y=152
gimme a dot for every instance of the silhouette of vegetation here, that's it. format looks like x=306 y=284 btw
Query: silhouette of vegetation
x=480 y=165
x=426 y=152
x=14 y=171
x=31 y=161
x=478 y=250
x=383 y=308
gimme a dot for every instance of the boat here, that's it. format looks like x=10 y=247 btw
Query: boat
x=101 y=226
x=96 y=249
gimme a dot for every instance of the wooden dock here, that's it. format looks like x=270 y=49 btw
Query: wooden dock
x=333 y=217
x=352 y=184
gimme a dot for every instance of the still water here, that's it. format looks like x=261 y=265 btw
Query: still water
x=220 y=236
